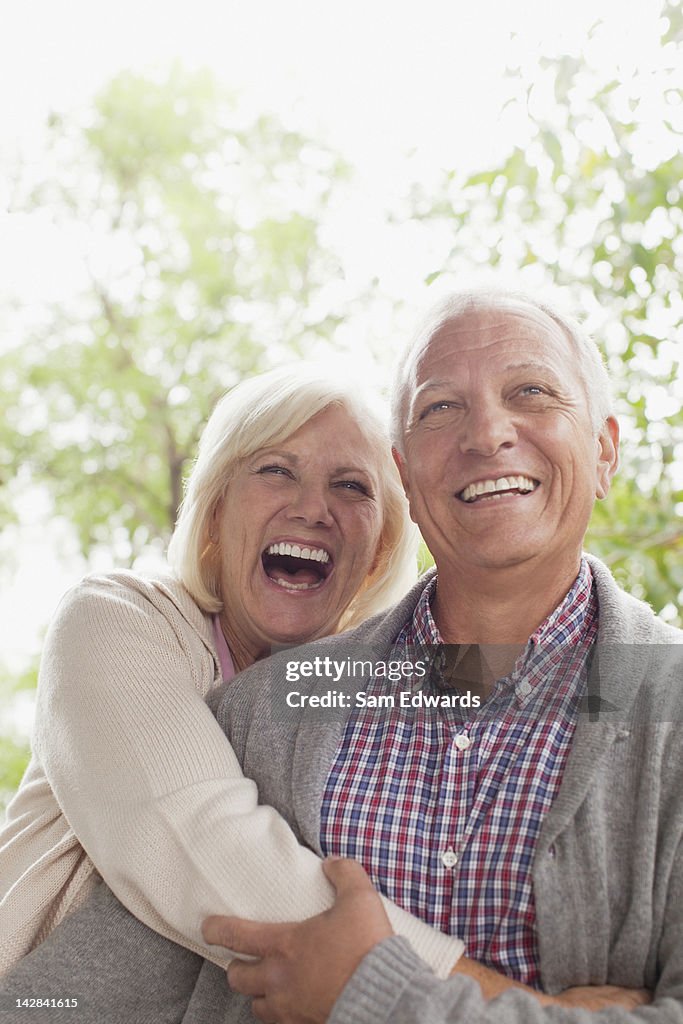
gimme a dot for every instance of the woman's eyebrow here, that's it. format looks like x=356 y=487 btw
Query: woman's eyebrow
x=353 y=469
x=270 y=452
x=294 y=459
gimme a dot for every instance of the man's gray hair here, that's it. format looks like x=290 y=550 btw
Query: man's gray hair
x=452 y=307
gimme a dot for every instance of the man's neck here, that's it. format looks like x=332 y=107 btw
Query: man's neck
x=493 y=615
x=495 y=606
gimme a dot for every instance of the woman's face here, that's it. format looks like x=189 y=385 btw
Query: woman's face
x=298 y=531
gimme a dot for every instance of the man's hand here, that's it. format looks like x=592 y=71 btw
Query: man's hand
x=304 y=967
x=600 y=997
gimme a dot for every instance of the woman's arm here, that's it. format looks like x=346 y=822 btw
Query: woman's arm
x=147 y=781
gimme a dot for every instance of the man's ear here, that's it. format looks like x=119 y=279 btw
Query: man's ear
x=608 y=456
x=403 y=473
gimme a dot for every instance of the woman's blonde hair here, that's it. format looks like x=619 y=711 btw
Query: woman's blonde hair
x=264 y=411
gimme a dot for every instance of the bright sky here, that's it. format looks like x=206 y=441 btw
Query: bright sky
x=401 y=89
x=376 y=77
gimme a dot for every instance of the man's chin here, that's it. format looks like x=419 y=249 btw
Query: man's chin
x=513 y=555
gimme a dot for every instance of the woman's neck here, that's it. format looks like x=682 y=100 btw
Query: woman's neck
x=243 y=653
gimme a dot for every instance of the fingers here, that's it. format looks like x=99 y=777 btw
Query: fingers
x=259 y=1007
x=640 y=997
x=248 y=979
x=346 y=875
x=241 y=936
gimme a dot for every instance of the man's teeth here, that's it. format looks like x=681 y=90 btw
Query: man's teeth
x=524 y=484
x=315 y=554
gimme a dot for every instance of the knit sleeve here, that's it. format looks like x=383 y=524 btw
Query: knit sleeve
x=150 y=786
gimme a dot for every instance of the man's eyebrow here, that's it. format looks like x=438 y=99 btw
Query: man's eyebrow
x=436 y=385
x=431 y=385
x=536 y=367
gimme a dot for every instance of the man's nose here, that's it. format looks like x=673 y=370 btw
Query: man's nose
x=310 y=506
x=487 y=427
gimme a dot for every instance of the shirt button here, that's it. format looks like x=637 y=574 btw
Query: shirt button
x=462 y=741
x=525 y=688
x=449 y=859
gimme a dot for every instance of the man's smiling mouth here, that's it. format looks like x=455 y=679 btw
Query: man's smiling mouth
x=295 y=566
x=481 y=490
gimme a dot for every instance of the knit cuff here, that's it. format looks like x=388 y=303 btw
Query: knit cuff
x=377 y=984
x=439 y=951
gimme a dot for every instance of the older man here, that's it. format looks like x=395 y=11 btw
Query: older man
x=545 y=828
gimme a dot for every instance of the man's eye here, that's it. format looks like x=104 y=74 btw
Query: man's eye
x=533 y=389
x=437 y=407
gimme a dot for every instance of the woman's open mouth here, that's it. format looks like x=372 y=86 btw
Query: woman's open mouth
x=295 y=566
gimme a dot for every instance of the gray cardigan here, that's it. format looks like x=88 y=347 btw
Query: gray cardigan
x=608 y=871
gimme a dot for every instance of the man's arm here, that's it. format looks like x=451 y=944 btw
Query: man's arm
x=346 y=966
x=392 y=985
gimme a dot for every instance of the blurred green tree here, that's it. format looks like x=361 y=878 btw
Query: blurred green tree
x=201 y=263
x=15 y=694
x=194 y=231
x=592 y=202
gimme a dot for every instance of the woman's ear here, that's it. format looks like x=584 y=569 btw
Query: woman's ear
x=214 y=520
x=608 y=456
x=378 y=554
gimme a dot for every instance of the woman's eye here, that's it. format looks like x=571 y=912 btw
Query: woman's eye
x=352 y=485
x=274 y=470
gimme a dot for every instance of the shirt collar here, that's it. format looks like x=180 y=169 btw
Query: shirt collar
x=564 y=625
x=572 y=621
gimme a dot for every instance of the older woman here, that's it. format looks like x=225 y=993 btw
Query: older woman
x=293 y=527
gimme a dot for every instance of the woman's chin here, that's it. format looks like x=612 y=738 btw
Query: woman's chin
x=296 y=631
x=298 y=622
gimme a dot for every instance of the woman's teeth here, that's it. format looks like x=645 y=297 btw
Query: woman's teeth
x=297 y=586
x=315 y=554
x=295 y=567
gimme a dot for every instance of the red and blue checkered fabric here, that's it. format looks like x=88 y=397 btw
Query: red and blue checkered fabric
x=444 y=807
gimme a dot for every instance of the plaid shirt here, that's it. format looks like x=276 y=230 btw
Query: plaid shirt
x=443 y=808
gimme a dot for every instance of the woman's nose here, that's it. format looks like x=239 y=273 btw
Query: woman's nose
x=310 y=506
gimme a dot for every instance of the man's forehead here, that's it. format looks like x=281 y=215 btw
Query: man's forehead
x=520 y=329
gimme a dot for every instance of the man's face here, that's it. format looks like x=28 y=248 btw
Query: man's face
x=500 y=464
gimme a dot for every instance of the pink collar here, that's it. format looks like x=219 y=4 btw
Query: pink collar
x=223 y=651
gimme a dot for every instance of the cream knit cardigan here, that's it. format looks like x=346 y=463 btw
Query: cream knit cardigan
x=132 y=779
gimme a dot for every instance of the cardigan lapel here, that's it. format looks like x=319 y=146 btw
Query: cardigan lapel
x=617 y=670
x=320 y=732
